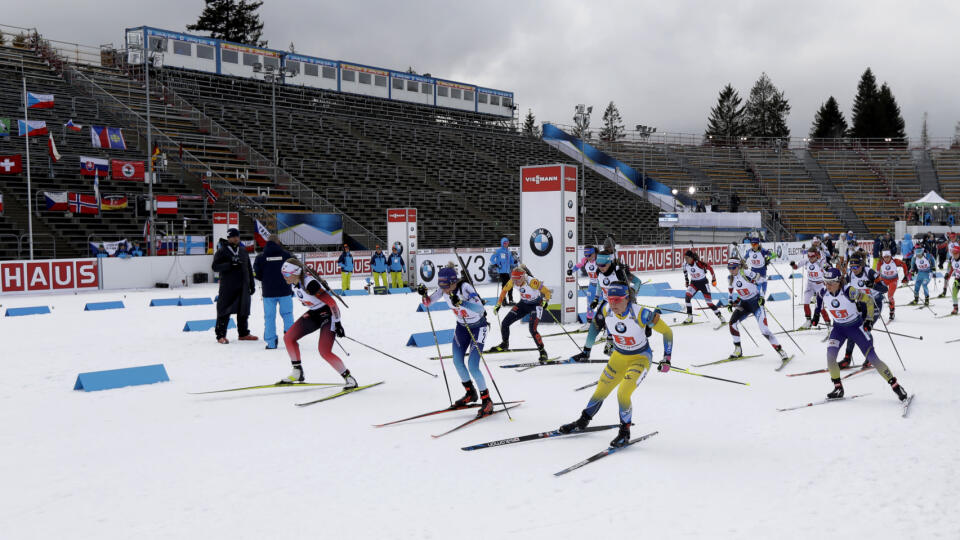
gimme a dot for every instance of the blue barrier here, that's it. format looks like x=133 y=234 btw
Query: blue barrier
x=32 y=310
x=351 y=292
x=194 y=302
x=672 y=307
x=582 y=317
x=100 y=306
x=796 y=275
x=777 y=296
x=425 y=339
x=164 y=302
x=400 y=290
x=118 y=378
x=443 y=306
x=775 y=277
x=582 y=293
x=204 y=325
x=660 y=285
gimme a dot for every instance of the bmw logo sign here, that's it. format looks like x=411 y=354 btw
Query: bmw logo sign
x=427 y=270
x=570 y=203
x=835 y=303
x=779 y=250
x=621 y=328
x=541 y=242
x=570 y=294
x=570 y=234
x=569 y=264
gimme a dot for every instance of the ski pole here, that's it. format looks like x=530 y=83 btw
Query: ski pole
x=745 y=331
x=774 y=317
x=492 y=380
x=584 y=387
x=894 y=344
x=682 y=370
x=667 y=309
x=389 y=356
x=554 y=317
x=952 y=340
x=439 y=355
x=898 y=334
x=341 y=347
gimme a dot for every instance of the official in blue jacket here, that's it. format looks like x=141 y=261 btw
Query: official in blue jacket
x=276 y=292
x=378 y=265
x=345 y=261
x=504 y=260
x=395 y=262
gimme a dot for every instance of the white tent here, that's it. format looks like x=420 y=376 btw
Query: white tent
x=930 y=199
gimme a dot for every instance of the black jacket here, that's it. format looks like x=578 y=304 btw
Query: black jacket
x=236 y=278
x=266 y=268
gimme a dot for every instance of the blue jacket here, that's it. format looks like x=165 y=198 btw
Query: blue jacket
x=906 y=247
x=378 y=263
x=396 y=262
x=346 y=262
x=266 y=268
x=503 y=258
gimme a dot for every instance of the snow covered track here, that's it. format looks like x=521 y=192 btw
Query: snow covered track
x=156 y=462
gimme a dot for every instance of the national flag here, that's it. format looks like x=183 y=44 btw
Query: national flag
x=32 y=128
x=146 y=230
x=210 y=193
x=73 y=127
x=11 y=164
x=156 y=153
x=81 y=203
x=5 y=127
x=39 y=101
x=52 y=148
x=127 y=170
x=167 y=204
x=96 y=187
x=1 y=204
x=113 y=202
x=56 y=200
x=261 y=235
x=107 y=137
x=91 y=166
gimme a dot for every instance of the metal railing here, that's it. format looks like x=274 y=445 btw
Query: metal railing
x=38 y=246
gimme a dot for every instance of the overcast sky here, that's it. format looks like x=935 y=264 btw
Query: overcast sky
x=663 y=63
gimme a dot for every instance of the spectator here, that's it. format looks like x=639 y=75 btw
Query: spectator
x=102 y=252
x=927 y=218
x=135 y=250
x=345 y=261
x=395 y=262
x=700 y=207
x=950 y=219
x=714 y=203
x=378 y=265
x=505 y=261
x=122 y=251
x=275 y=291
x=236 y=286
x=734 y=202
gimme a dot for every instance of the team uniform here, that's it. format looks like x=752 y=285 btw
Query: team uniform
x=589 y=265
x=867 y=281
x=468 y=338
x=922 y=267
x=323 y=315
x=748 y=301
x=610 y=272
x=629 y=362
x=852 y=312
x=695 y=277
x=757 y=260
x=534 y=296
x=953 y=271
x=888 y=268
x=814 y=268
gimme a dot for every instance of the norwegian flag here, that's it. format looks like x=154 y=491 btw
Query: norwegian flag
x=210 y=193
x=84 y=204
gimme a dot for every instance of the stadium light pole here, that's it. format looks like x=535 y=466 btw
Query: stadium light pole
x=151 y=238
x=582 y=117
x=274 y=76
x=644 y=132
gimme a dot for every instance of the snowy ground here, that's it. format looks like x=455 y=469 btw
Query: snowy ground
x=156 y=462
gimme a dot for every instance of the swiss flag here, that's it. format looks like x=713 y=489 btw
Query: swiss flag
x=167 y=204
x=11 y=164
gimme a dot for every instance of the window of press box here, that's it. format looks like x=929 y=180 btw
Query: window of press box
x=495 y=100
x=153 y=44
x=413 y=86
x=468 y=95
x=311 y=70
x=455 y=93
x=292 y=66
x=426 y=88
x=364 y=78
x=482 y=98
x=442 y=91
x=182 y=48
x=398 y=84
x=329 y=72
x=271 y=62
x=229 y=57
x=250 y=59
x=507 y=102
x=380 y=80
x=205 y=52
x=348 y=75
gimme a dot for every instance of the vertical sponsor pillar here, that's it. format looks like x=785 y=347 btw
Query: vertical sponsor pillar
x=402 y=232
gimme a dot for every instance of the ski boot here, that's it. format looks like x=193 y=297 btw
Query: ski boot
x=720 y=316
x=543 y=356
x=608 y=348
x=486 y=404
x=806 y=326
x=349 y=382
x=916 y=300
x=469 y=397
x=891 y=316
x=926 y=300
x=295 y=376
x=866 y=364
x=582 y=356
x=837 y=390
x=688 y=320
x=577 y=425
x=737 y=351
x=504 y=346
x=845 y=363
x=783 y=354
x=954 y=312
x=943 y=294
x=623 y=436
x=901 y=393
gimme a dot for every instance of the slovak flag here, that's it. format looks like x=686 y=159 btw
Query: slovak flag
x=39 y=101
x=90 y=166
x=32 y=128
x=261 y=235
x=167 y=204
x=107 y=137
x=73 y=127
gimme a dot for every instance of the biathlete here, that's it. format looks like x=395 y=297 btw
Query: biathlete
x=589 y=264
x=746 y=301
x=467 y=307
x=889 y=274
x=534 y=297
x=852 y=313
x=865 y=280
x=814 y=269
x=922 y=267
x=611 y=270
x=695 y=278
x=757 y=260
x=322 y=314
x=953 y=271
x=628 y=324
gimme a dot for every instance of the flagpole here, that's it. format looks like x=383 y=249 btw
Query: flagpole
x=26 y=119
x=153 y=203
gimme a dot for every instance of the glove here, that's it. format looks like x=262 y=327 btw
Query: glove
x=760 y=301
x=793 y=265
x=455 y=300
x=713 y=282
x=594 y=304
x=338 y=329
x=496 y=309
x=544 y=301
x=422 y=289
x=867 y=325
x=569 y=271
x=664 y=366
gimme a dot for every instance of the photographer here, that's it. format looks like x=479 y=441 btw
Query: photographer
x=236 y=286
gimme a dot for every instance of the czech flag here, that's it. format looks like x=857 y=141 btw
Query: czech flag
x=56 y=200
x=33 y=128
x=39 y=101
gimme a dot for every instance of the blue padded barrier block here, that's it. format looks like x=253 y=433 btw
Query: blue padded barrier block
x=32 y=310
x=164 y=302
x=442 y=306
x=100 y=306
x=582 y=317
x=582 y=293
x=351 y=292
x=777 y=296
x=195 y=302
x=204 y=325
x=661 y=285
x=775 y=277
x=671 y=307
x=425 y=339
x=400 y=290
x=118 y=378
x=797 y=276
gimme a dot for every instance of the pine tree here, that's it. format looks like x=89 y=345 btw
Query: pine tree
x=19 y=41
x=612 y=130
x=581 y=126
x=725 y=124
x=530 y=128
x=829 y=122
x=766 y=111
x=924 y=133
x=3 y=39
x=891 y=121
x=866 y=113
x=231 y=20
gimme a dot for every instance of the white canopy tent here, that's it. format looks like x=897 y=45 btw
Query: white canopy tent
x=931 y=200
